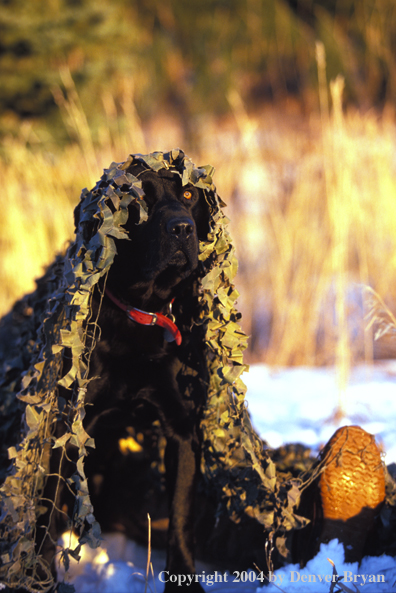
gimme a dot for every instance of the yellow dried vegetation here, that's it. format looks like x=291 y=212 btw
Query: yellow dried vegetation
x=311 y=201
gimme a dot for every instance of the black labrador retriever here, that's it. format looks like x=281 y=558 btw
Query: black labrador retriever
x=139 y=368
x=147 y=338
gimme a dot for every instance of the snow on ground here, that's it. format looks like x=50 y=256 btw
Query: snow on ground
x=298 y=404
x=286 y=405
x=122 y=570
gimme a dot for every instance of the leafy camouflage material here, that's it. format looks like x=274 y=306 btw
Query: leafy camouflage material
x=234 y=461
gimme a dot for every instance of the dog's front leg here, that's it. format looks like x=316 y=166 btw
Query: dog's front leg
x=182 y=467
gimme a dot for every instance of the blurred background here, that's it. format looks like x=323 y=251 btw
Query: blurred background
x=292 y=101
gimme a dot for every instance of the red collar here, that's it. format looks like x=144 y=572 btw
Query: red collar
x=171 y=330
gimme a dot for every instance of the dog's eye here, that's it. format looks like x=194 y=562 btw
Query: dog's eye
x=188 y=195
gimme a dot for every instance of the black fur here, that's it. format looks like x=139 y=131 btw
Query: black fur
x=140 y=376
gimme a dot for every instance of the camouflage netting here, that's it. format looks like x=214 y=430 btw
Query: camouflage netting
x=234 y=460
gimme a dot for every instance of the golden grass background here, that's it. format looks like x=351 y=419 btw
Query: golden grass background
x=311 y=201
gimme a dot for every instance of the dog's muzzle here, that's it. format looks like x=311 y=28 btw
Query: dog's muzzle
x=181 y=228
x=183 y=240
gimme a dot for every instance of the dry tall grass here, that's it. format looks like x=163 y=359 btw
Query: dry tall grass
x=311 y=203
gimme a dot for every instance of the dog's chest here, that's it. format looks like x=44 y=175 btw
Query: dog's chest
x=128 y=359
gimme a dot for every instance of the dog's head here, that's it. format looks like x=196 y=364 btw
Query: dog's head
x=163 y=248
x=161 y=215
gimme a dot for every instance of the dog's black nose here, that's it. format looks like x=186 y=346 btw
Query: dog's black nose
x=181 y=228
